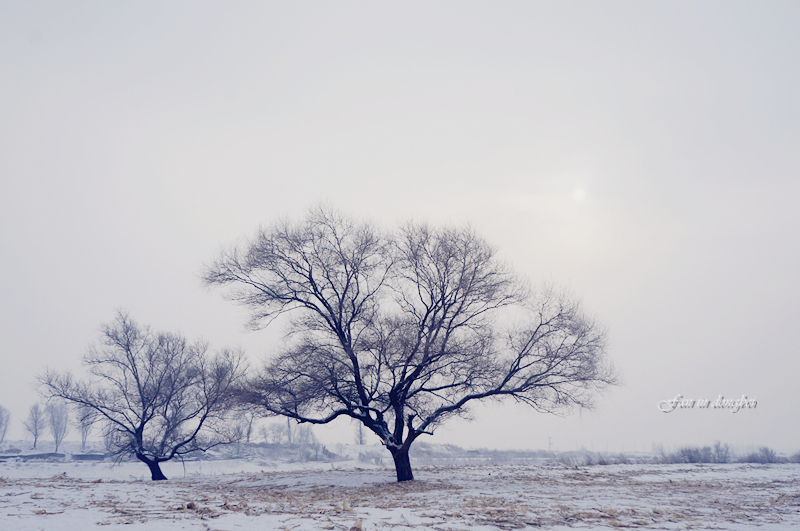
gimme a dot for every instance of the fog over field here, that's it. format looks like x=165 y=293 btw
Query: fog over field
x=641 y=155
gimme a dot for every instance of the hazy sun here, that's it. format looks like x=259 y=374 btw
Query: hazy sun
x=579 y=194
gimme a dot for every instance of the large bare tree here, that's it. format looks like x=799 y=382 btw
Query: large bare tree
x=157 y=395
x=403 y=331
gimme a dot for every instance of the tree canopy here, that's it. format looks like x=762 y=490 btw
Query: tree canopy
x=156 y=395
x=403 y=330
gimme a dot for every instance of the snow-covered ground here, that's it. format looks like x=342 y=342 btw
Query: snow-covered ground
x=254 y=493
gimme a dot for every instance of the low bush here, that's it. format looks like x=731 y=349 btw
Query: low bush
x=719 y=453
x=763 y=456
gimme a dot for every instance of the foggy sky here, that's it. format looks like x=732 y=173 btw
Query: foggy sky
x=643 y=155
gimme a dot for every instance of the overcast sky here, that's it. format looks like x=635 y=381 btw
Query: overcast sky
x=644 y=155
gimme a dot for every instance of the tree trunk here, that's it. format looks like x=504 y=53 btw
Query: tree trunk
x=402 y=464
x=155 y=469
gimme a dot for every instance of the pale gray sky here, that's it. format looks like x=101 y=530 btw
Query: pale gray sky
x=643 y=154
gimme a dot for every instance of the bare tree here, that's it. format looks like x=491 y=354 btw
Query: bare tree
x=112 y=439
x=721 y=452
x=5 y=418
x=85 y=419
x=245 y=424
x=304 y=438
x=403 y=331
x=358 y=434
x=58 y=422
x=35 y=422
x=274 y=433
x=158 y=396
x=242 y=428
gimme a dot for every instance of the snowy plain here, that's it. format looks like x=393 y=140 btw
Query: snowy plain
x=257 y=492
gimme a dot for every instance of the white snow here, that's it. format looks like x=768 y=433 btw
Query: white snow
x=257 y=494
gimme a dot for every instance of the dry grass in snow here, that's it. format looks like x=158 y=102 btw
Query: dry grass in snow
x=442 y=498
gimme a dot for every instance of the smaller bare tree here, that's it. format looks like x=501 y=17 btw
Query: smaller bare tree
x=242 y=428
x=58 y=422
x=245 y=425
x=304 y=438
x=274 y=433
x=85 y=418
x=35 y=422
x=5 y=418
x=159 y=396
x=358 y=434
x=112 y=439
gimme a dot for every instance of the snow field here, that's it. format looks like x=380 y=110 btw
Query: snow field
x=346 y=496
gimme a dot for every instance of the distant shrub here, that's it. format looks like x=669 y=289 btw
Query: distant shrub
x=763 y=456
x=374 y=458
x=720 y=453
x=605 y=459
x=565 y=460
x=695 y=455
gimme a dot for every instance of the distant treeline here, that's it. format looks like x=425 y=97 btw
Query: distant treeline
x=718 y=453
